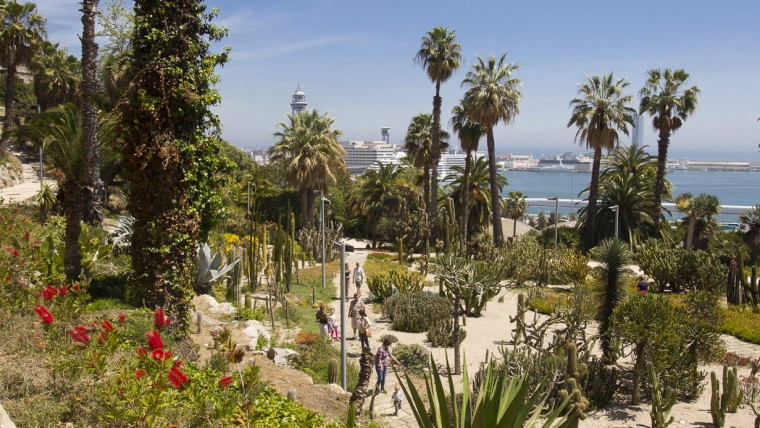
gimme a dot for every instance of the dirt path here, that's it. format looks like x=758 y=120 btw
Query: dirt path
x=31 y=185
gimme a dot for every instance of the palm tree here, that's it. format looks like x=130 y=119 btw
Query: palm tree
x=22 y=31
x=669 y=104
x=59 y=132
x=479 y=209
x=309 y=152
x=469 y=134
x=92 y=185
x=703 y=206
x=751 y=238
x=493 y=96
x=613 y=255
x=418 y=144
x=600 y=111
x=56 y=76
x=515 y=208
x=439 y=55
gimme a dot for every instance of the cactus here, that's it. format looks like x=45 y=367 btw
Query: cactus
x=734 y=283
x=519 y=320
x=601 y=384
x=717 y=404
x=235 y=279
x=332 y=371
x=416 y=312
x=735 y=395
x=662 y=401
x=578 y=404
x=380 y=286
x=754 y=407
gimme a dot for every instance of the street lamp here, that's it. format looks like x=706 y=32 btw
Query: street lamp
x=322 y=202
x=342 y=283
x=42 y=172
x=617 y=217
x=556 y=220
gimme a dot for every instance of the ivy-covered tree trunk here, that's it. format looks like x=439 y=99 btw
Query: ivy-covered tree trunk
x=172 y=146
x=92 y=187
x=10 y=93
x=72 y=208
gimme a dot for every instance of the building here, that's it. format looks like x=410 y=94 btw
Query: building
x=260 y=156
x=364 y=155
x=637 y=130
x=518 y=162
x=298 y=102
x=450 y=159
x=718 y=166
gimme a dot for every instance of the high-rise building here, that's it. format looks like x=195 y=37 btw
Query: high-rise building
x=298 y=102
x=637 y=130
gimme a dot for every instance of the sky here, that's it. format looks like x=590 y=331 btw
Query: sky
x=353 y=59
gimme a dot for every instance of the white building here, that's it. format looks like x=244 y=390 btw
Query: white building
x=519 y=162
x=364 y=155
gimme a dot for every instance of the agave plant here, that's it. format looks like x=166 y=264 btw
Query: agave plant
x=122 y=234
x=500 y=402
x=209 y=268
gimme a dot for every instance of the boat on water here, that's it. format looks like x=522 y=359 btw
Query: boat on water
x=565 y=162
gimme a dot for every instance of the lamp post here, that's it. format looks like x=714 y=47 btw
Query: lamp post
x=342 y=283
x=617 y=217
x=556 y=220
x=42 y=172
x=322 y=201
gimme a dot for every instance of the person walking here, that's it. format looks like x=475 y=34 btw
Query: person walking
x=354 y=309
x=333 y=325
x=364 y=325
x=323 y=321
x=381 y=362
x=358 y=276
x=398 y=399
x=348 y=279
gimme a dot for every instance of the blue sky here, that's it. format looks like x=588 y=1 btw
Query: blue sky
x=354 y=60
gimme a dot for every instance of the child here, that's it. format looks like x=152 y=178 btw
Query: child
x=333 y=325
x=364 y=326
x=398 y=398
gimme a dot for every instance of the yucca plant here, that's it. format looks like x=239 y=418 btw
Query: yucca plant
x=501 y=402
x=613 y=255
x=45 y=200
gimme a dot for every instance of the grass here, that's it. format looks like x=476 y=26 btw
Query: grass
x=547 y=301
x=741 y=323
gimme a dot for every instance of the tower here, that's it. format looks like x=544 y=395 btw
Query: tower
x=637 y=131
x=298 y=102
x=386 y=133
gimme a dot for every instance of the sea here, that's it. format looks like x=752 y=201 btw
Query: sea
x=731 y=187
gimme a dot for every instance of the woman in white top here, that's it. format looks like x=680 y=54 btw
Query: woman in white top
x=364 y=325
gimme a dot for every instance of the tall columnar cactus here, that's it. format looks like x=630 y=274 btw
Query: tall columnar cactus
x=235 y=279
x=731 y=389
x=734 y=283
x=578 y=404
x=519 y=320
x=332 y=371
x=717 y=405
x=753 y=405
x=663 y=400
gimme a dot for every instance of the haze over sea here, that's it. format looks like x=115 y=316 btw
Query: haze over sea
x=731 y=187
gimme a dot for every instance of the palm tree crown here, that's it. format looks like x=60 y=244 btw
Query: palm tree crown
x=664 y=98
x=469 y=132
x=439 y=54
x=22 y=31
x=56 y=76
x=493 y=95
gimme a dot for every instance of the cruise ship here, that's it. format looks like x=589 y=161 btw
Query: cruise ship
x=566 y=162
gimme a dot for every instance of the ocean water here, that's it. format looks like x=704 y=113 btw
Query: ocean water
x=731 y=187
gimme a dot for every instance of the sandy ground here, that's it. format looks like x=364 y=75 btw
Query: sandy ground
x=486 y=334
x=31 y=185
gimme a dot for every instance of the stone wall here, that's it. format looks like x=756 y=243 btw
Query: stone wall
x=10 y=173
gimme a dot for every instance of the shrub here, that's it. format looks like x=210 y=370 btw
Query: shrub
x=380 y=287
x=306 y=339
x=416 y=312
x=441 y=332
x=397 y=280
x=572 y=266
x=392 y=338
x=679 y=270
x=741 y=323
x=414 y=357
x=314 y=360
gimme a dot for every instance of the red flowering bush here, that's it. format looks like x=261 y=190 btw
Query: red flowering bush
x=306 y=339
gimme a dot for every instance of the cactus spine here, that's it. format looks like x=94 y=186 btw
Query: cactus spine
x=332 y=371
x=662 y=401
x=578 y=404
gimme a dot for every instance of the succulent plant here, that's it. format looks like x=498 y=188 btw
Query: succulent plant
x=663 y=400
x=332 y=371
x=209 y=268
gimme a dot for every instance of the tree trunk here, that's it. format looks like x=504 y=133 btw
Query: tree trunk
x=304 y=200
x=498 y=235
x=72 y=257
x=10 y=93
x=426 y=186
x=436 y=156
x=465 y=208
x=514 y=228
x=366 y=364
x=659 y=184
x=92 y=186
x=588 y=230
x=310 y=197
x=455 y=336
x=690 y=232
x=638 y=372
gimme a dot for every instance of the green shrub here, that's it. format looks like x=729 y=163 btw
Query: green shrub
x=314 y=360
x=741 y=323
x=416 y=312
x=679 y=270
x=380 y=287
x=414 y=357
x=407 y=281
x=440 y=333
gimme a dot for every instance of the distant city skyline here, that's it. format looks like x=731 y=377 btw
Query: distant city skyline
x=354 y=61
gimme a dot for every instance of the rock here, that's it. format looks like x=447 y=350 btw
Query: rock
x=209 y=306
x=281 y=356
x=292 y=394
x=337 y=390
x=253 y=330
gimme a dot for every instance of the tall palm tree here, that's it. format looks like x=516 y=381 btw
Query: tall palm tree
x=22 y=31
x=703 y=206
x=479 y=185
x=599 y=112
x=309 y=152
x=670 y=104
x=515 y=206
x=418 y=144
x=56 y=76
x=469 y=134
x=59 y=132
x=439 y=55
x=493 y=96
x=92 y=186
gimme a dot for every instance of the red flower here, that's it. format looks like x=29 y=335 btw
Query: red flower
x=107 y=326
x=139 y=373
x=48 y=292
x=15 y=253
x=225 y=382
x=141 y=352
x=75 y=287
x=168 y=354
x=158 y=355
x=79 y=334
x=62 y=290
x=154 y=340
x=175 y=365
x=26 y=236
x=8 y=278
x=122 y=317
x=44 y=314
x=159 y=319
x=177 y=377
